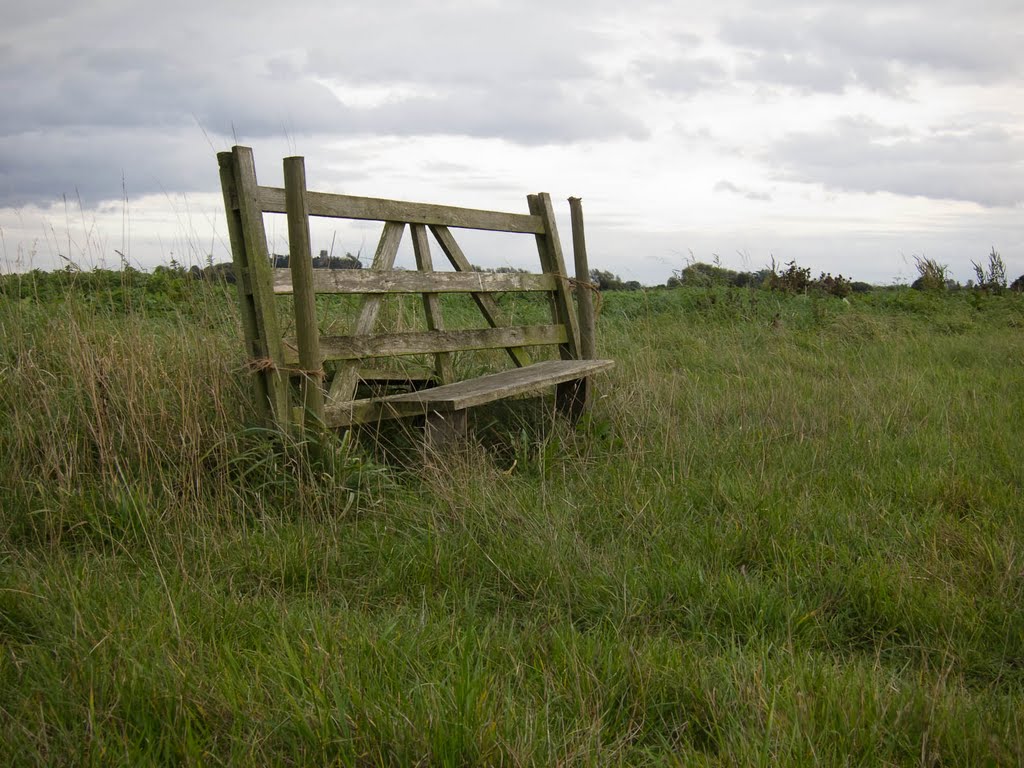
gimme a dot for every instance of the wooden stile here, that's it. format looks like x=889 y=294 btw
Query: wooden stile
x=444 y=406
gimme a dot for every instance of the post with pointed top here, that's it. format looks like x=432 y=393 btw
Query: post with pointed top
x=584 y=290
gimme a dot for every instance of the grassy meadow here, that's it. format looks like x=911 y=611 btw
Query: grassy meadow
x=790 y=533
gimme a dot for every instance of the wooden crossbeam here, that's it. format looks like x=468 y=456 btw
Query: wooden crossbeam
x=346 y=378
x=359 y=346
x=487 y=305
x=431 y=306
x=360 y=281
x=272 y=200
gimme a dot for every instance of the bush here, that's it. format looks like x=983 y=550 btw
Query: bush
x=933 y=276
x=993 y=279
x=793 y=280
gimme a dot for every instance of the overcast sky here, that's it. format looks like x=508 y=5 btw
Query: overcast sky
x=848 y=136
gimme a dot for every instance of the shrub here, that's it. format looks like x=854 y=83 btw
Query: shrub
x=932 y=275
x=793 y=280
x=993 y=279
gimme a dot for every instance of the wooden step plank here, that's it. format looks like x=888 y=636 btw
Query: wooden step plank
x=432 y=342
x=495 y=386
x=271 y=200
x=353 y=281
x=464 y=394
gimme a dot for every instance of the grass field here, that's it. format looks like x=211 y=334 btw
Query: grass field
x=791 y=533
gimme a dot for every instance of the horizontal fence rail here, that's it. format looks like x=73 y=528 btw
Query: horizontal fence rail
x=354 y=281
x=432 y=342
x=272 y=200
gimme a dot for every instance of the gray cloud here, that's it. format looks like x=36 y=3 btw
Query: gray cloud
x=727 y=186
x=76 y=102
x=818 y=48
x=984 y=165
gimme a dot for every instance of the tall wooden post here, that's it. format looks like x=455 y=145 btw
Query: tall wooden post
x=255 y=283
x=300 y=261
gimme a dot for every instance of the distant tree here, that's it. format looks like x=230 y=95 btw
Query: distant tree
x=1018 y=284
x=608 y=281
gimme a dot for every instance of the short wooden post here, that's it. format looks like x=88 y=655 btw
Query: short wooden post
x=300 y=261
x=550 y=250
x=443 y=432
x=584 y=288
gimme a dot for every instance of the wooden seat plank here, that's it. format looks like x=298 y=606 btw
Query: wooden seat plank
x=465 y=394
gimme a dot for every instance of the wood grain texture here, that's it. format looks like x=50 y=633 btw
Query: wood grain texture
x=272 y=200
x=243 y=282
x=431 y=342
x=584 y=290
x=366 y=281
x=268 y=343
x=466 y=394
x=346 y=378
x=550 y=251
x=300 y=263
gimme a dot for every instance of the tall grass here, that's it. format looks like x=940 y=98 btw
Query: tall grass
x=789 y=533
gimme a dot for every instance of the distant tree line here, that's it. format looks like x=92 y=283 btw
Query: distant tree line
x=990 y=275
x=791 y=279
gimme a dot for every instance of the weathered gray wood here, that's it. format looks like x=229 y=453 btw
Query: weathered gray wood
x=300 y=264
x=243 y=282
x=495 y=386
x=550 y=251
x=425 y=264
x=465 y=394
x=488 y=306
x=346 y=378
x=431 y=342
x=415 y=377
x=270 y=354
x=272 y=200
x=364 y=281
x=584 y=288
x=369 y=411
x=443 y=432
